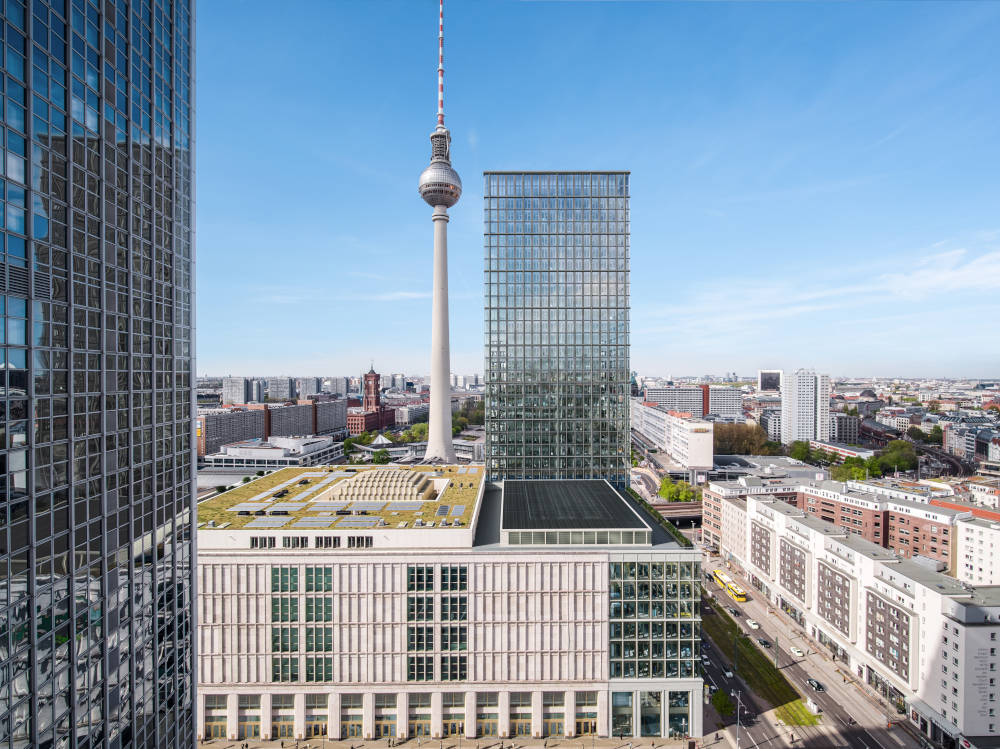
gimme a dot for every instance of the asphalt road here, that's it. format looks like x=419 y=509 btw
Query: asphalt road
x=840 y=727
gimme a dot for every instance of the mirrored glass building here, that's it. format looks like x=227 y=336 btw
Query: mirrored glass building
x=557 y=325
x=97 y=454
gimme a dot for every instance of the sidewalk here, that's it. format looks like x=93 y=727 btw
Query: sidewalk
x=453 y=742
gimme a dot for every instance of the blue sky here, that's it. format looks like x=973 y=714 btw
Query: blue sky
x=813 y=184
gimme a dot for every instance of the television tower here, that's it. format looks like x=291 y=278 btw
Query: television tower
x=441 y=187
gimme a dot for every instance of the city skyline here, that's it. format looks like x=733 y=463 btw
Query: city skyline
x=844 y=172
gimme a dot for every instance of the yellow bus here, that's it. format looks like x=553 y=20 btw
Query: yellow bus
x=733 y=590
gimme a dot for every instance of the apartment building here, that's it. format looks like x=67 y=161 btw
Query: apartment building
x=977 y=551
x=805 y=406
x=912 y=530
x=926 y=642
x=391 y=602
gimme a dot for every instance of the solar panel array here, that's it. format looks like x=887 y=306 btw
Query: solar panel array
x=248 y=506
x=286 y=506
x=404 y=506
x=267 y=522
x=313 y=523
x=327 y=506
x=442 y=511
x=458 y=510
x=358 y=523
x=368 y=506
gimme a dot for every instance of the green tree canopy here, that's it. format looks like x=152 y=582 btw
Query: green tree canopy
x=380 y=457
x=722 y=703
x=799 y=450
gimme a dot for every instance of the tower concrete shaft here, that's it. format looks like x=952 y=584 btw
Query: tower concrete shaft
x=440 y=448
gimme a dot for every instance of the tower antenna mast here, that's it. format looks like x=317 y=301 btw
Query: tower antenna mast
x=441 y=64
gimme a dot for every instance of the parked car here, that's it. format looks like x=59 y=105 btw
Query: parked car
x=728 y=674
x=816 y=686
x=763 y=643
x=752 y=624
x=797 y=652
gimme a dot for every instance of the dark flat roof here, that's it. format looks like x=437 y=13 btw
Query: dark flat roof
x=574 y=504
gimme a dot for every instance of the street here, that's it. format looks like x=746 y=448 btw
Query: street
x=849 y=717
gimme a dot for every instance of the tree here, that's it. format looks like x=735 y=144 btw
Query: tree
x=915 y=433
x=722 y=704
x=221 y=489
x=799 y=450
x=680 y=491
x=934 y=406
x=667 y=488
x=740 y=439
x=898 y=455
x=936 y=437
x=246 y=479
x=380 y=457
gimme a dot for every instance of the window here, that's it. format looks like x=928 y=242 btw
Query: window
x=284 y=579
x=319 y=639
x=284 y=639
x=327 y=542
x=282 y=701
x=319 y=668
x=319 y=579
x=216 y=701
x=420 y=668
x=420 y=699
x=419 y=608
x=586 y=699
x=262 y=542
x=553 y=699
x=359 y=542
x=420 y=578
x=319 y=609
x=454 y=668
x=284 y=609
x=295 y=542
x=249 y=702
x=454 y=578
x=420 y=638
x=284 y=669
x=454 y=608
x=454 y=638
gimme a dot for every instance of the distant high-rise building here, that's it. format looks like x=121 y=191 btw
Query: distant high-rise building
x=844 y=428
x=96 y=386
x=805 y=406
x=556 y=321
x=281 y=389
x=308 y=386
x=768 y=380
x=257 y=393
x=698 y=400
x=337 y=385
x=236 y=390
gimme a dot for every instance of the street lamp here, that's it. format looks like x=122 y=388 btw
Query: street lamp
x=739 y=706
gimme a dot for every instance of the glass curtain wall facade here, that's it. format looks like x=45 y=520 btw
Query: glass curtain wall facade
x=97 y=452
x=557 y=325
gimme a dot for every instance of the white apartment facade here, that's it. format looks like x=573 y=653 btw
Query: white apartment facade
x=977 y=551
x=927 y=643
x=425 y=602
x=805 y=406
x=687 y=440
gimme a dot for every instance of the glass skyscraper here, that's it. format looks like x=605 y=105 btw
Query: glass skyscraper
x=557 y=325
x=97 y=306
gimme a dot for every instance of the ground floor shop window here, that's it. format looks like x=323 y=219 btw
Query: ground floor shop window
x=679 y=719
x=621 y=714
x=650 y=710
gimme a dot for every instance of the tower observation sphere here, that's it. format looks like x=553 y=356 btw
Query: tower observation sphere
x=439 y=183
